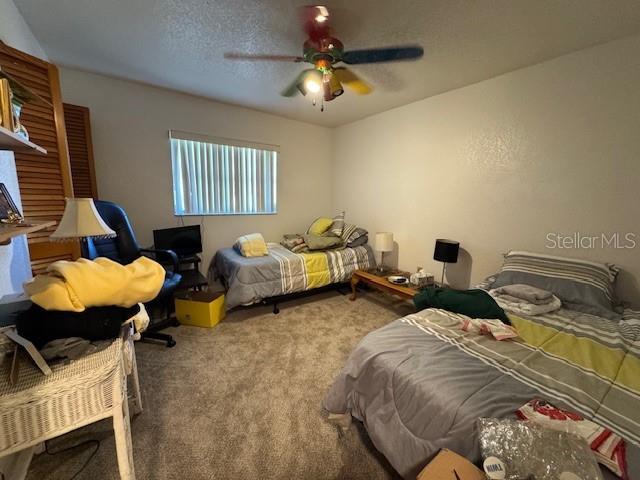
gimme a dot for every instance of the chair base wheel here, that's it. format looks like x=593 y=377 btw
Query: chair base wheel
x=159 y=337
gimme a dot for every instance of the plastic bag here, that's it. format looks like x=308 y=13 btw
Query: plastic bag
x=517 y=450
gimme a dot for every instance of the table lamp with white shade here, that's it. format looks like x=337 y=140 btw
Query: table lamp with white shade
x=384 y=244
x=81 y=220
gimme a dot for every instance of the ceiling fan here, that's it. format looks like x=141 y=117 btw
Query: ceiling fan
x=324 y=51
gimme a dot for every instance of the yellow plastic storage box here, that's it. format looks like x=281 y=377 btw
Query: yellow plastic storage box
x=202 y=309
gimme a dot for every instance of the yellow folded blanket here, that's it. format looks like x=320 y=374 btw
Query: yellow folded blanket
x=74 y=286
x=252 y=245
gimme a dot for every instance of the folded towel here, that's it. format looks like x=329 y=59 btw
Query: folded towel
x=523 y=307
x=252 y=245
x=294 y=242
x=529 y=293
x=74 y=286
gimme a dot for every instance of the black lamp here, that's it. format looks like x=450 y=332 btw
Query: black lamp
x=446 y=251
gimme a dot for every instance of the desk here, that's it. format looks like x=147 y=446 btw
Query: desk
x=192 y=279
x=84 y=391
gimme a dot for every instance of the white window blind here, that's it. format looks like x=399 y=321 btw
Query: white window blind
x=221 y=176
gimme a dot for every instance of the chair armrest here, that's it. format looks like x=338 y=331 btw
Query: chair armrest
x=163 y=254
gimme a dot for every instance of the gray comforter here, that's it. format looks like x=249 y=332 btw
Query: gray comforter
x=250 y=280
x=417 y=393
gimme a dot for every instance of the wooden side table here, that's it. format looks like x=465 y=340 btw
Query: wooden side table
x=380 y=282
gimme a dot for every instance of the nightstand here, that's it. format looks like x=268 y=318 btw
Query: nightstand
x=380 y=282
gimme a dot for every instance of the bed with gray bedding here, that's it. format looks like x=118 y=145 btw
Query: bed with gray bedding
x=420 y=383
x=282 y=272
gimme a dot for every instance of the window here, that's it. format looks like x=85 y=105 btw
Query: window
x=222 y=177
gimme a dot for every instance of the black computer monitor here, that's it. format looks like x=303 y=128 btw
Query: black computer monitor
x=182 y=240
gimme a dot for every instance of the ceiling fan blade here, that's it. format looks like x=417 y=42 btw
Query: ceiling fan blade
x=378 y=55
x=293 y=88
x=315 y=21
x=352 y=81
x=259 y=57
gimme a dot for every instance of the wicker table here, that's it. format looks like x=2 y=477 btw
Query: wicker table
x=84 y=391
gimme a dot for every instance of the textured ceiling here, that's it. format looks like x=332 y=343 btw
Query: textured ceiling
x=179 y=44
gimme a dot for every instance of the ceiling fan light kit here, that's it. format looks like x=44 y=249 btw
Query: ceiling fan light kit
x=325 y=81
x=311 y=82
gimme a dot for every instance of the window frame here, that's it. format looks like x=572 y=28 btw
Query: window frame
x=223 y=141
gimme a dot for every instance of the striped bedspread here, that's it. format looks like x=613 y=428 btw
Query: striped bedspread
x=305 y=271
x=250 y=280
x=587 y=363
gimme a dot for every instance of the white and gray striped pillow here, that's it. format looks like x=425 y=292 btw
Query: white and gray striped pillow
x=582 y=285
x=351 y=233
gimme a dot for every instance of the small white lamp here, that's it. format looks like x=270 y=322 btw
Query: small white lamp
x=384 y=244
x=81 y=220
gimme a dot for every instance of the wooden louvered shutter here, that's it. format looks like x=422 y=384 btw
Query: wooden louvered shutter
x=45 y=180
x=78 y=125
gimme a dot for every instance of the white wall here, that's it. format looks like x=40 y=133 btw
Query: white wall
x=497 y=165
x=15 y=268
x=130 y=124
x=15 y=32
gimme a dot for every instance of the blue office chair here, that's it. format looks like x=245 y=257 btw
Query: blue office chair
x=124 y=249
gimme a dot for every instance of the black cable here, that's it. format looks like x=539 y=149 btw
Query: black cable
x=72 y=447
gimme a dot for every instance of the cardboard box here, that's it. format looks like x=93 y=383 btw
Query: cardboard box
x=446 y=464
x=201 y=309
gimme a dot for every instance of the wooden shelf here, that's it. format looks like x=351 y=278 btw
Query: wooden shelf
x=20 y=91
x=7 y=231
x=16 y=143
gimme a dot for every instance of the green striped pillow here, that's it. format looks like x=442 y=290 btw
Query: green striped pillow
x=582 y=285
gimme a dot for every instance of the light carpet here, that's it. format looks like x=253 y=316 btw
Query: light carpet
x=243 y=400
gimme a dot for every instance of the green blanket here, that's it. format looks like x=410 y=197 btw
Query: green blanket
x=472 y=303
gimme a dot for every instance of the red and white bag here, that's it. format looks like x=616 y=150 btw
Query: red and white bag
x=495 y=328
x=606 y=446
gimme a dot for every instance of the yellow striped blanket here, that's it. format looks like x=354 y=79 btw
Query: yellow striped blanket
x=306 y=271
x=589 y=363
